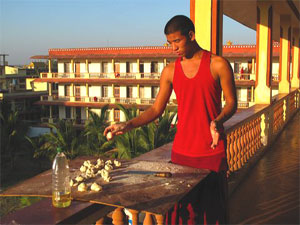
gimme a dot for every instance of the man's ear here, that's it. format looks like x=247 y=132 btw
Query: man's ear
x=192 y=35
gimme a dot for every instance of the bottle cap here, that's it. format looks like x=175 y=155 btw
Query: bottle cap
x=59 y=149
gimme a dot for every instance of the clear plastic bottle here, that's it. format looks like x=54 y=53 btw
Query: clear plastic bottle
x=61 y=190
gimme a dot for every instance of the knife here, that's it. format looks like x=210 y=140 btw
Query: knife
x=156 y=174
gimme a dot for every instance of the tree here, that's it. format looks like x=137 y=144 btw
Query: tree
x=96 y=142
x=13 y=131
x=162 y=131
x=63 y=135
x=134 y=142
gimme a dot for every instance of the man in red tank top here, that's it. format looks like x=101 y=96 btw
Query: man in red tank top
x=198 y=78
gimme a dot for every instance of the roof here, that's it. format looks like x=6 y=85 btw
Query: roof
x=141 y=52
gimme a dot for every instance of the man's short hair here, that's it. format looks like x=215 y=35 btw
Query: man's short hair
x=179 y=23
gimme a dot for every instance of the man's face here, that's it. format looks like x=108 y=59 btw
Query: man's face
x=180 y=43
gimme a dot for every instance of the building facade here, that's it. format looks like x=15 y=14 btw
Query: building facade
x=89 y=78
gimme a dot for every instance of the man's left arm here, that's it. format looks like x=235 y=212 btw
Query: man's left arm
x=226 y=77
x=222 y=70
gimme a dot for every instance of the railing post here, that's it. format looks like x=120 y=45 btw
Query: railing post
x=118 y=216
x=148 y=219
x=100 y=221
x=159 y=219
x=135 y=218
x=288 y=107
x=266 y=126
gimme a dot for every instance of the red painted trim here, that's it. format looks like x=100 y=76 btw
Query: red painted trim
x=289 y=54
x=280 y=54
x=215 y=20
x=293 y=44
x=270 y=47
x=298 y=59
x=192 y=10
x=257 y=44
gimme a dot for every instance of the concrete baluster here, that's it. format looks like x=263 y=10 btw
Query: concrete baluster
x=239 y=146
x=148 y=219
x=284 y=110
x=118 y=216
x=159 y=219
x=135 y=218
x=100 y=221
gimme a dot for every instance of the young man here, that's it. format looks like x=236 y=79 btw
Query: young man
x=198 y=78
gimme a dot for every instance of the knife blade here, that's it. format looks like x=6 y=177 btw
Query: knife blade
x=155 y=173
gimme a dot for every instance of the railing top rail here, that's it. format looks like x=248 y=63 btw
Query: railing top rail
x=249 y=114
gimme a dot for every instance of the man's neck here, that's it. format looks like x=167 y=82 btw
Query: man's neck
x=195 y=53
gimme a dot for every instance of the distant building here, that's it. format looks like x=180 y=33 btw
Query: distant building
x=89 y=78
x=18 y=90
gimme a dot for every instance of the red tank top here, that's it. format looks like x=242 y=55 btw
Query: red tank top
x=199 y=102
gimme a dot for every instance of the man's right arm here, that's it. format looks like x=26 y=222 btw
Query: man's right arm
x=154 y=111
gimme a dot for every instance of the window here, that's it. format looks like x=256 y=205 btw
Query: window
x=67 y=67
x=154 y=92
x=142 y=92
x=77 y=91
x=117 y=115
x=68 y=112
x=55 y=86
x=141 y=67
x=129 y=92
x=249 y=94
x=154 y=67
x=104 y=67
x=238 y=93
x=105 y=91
x=117 y=91
x=127 y=67
x=67 y=90
x=236 y=67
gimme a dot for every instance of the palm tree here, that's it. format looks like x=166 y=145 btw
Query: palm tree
x=96 y=142
x=134 y=142
x=13 y=131
x=162 y=131
x=64 y=135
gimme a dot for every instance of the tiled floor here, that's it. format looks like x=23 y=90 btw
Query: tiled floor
x=270 y=193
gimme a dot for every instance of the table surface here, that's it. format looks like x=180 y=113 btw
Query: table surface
x=142 y=192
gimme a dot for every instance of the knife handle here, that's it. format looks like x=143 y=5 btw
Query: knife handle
x=163 y=174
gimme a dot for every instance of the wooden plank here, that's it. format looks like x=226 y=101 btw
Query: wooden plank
x=142 y=192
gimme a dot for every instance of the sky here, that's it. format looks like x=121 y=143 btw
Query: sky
x=31 y=27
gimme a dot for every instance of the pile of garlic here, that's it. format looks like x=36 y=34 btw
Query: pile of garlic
x=89 y=170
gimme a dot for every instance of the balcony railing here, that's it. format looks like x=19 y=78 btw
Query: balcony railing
x=242 y=76
x=147 y=100
x=130 y=75
x=100 y=99
x=99 y=75
x=253 y=133
x=150 y=75
x=243 y=105
x=126 y=100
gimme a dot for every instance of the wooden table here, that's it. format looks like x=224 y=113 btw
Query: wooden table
x=141 y=192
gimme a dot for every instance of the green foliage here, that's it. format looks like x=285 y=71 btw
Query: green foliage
x=13 y=131
x=132 y=143
x=160 y=132
x=96 y=142
x=64 y=135
x=146 y=138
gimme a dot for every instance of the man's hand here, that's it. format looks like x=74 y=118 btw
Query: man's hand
x=116 y=129
x=214 y=134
